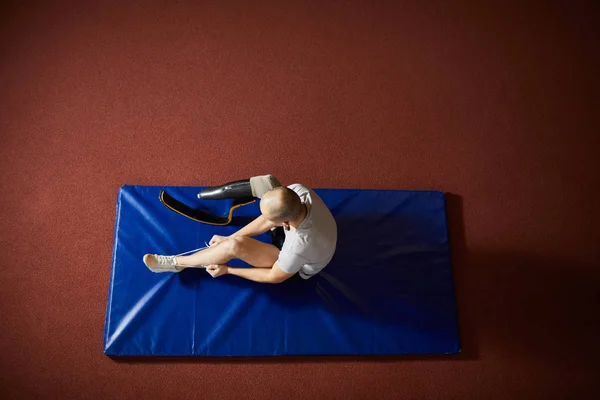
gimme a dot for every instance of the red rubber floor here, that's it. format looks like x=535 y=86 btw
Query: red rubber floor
x=497 y=104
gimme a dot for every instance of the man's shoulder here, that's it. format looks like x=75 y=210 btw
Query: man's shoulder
x=298 y=187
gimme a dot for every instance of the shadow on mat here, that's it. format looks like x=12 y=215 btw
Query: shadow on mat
x=281 y=359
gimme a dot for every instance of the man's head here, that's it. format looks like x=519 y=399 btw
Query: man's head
x=281 y=206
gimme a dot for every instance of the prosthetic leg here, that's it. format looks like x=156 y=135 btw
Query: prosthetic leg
x=242 y=192
x=254 y=187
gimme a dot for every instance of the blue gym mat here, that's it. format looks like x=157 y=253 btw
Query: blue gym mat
x=389 y=289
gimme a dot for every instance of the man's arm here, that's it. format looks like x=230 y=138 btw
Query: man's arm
x=264 y=275
x=256 y=227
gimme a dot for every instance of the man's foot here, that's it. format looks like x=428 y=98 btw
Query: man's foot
x=156 y=263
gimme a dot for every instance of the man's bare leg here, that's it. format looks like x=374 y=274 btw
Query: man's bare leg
x=251 y=251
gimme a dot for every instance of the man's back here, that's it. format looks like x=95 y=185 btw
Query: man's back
x=310 y=247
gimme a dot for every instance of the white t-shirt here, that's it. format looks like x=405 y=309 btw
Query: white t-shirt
x=309 y=248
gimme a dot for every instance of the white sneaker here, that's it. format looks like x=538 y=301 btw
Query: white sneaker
x=156 y=263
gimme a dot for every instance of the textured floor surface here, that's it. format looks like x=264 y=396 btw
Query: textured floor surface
x=496 y=104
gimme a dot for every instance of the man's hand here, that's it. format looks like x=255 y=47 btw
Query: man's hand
x=217 y=270
x=216 y=239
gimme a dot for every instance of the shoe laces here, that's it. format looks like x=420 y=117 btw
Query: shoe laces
x=168 y=261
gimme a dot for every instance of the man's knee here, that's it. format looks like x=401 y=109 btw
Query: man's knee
x=236 y=246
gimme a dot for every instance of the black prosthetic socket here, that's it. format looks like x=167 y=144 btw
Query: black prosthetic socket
x=232 y=190
x=277 y=237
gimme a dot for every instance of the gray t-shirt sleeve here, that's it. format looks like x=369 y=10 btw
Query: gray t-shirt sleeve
x=290 y=263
